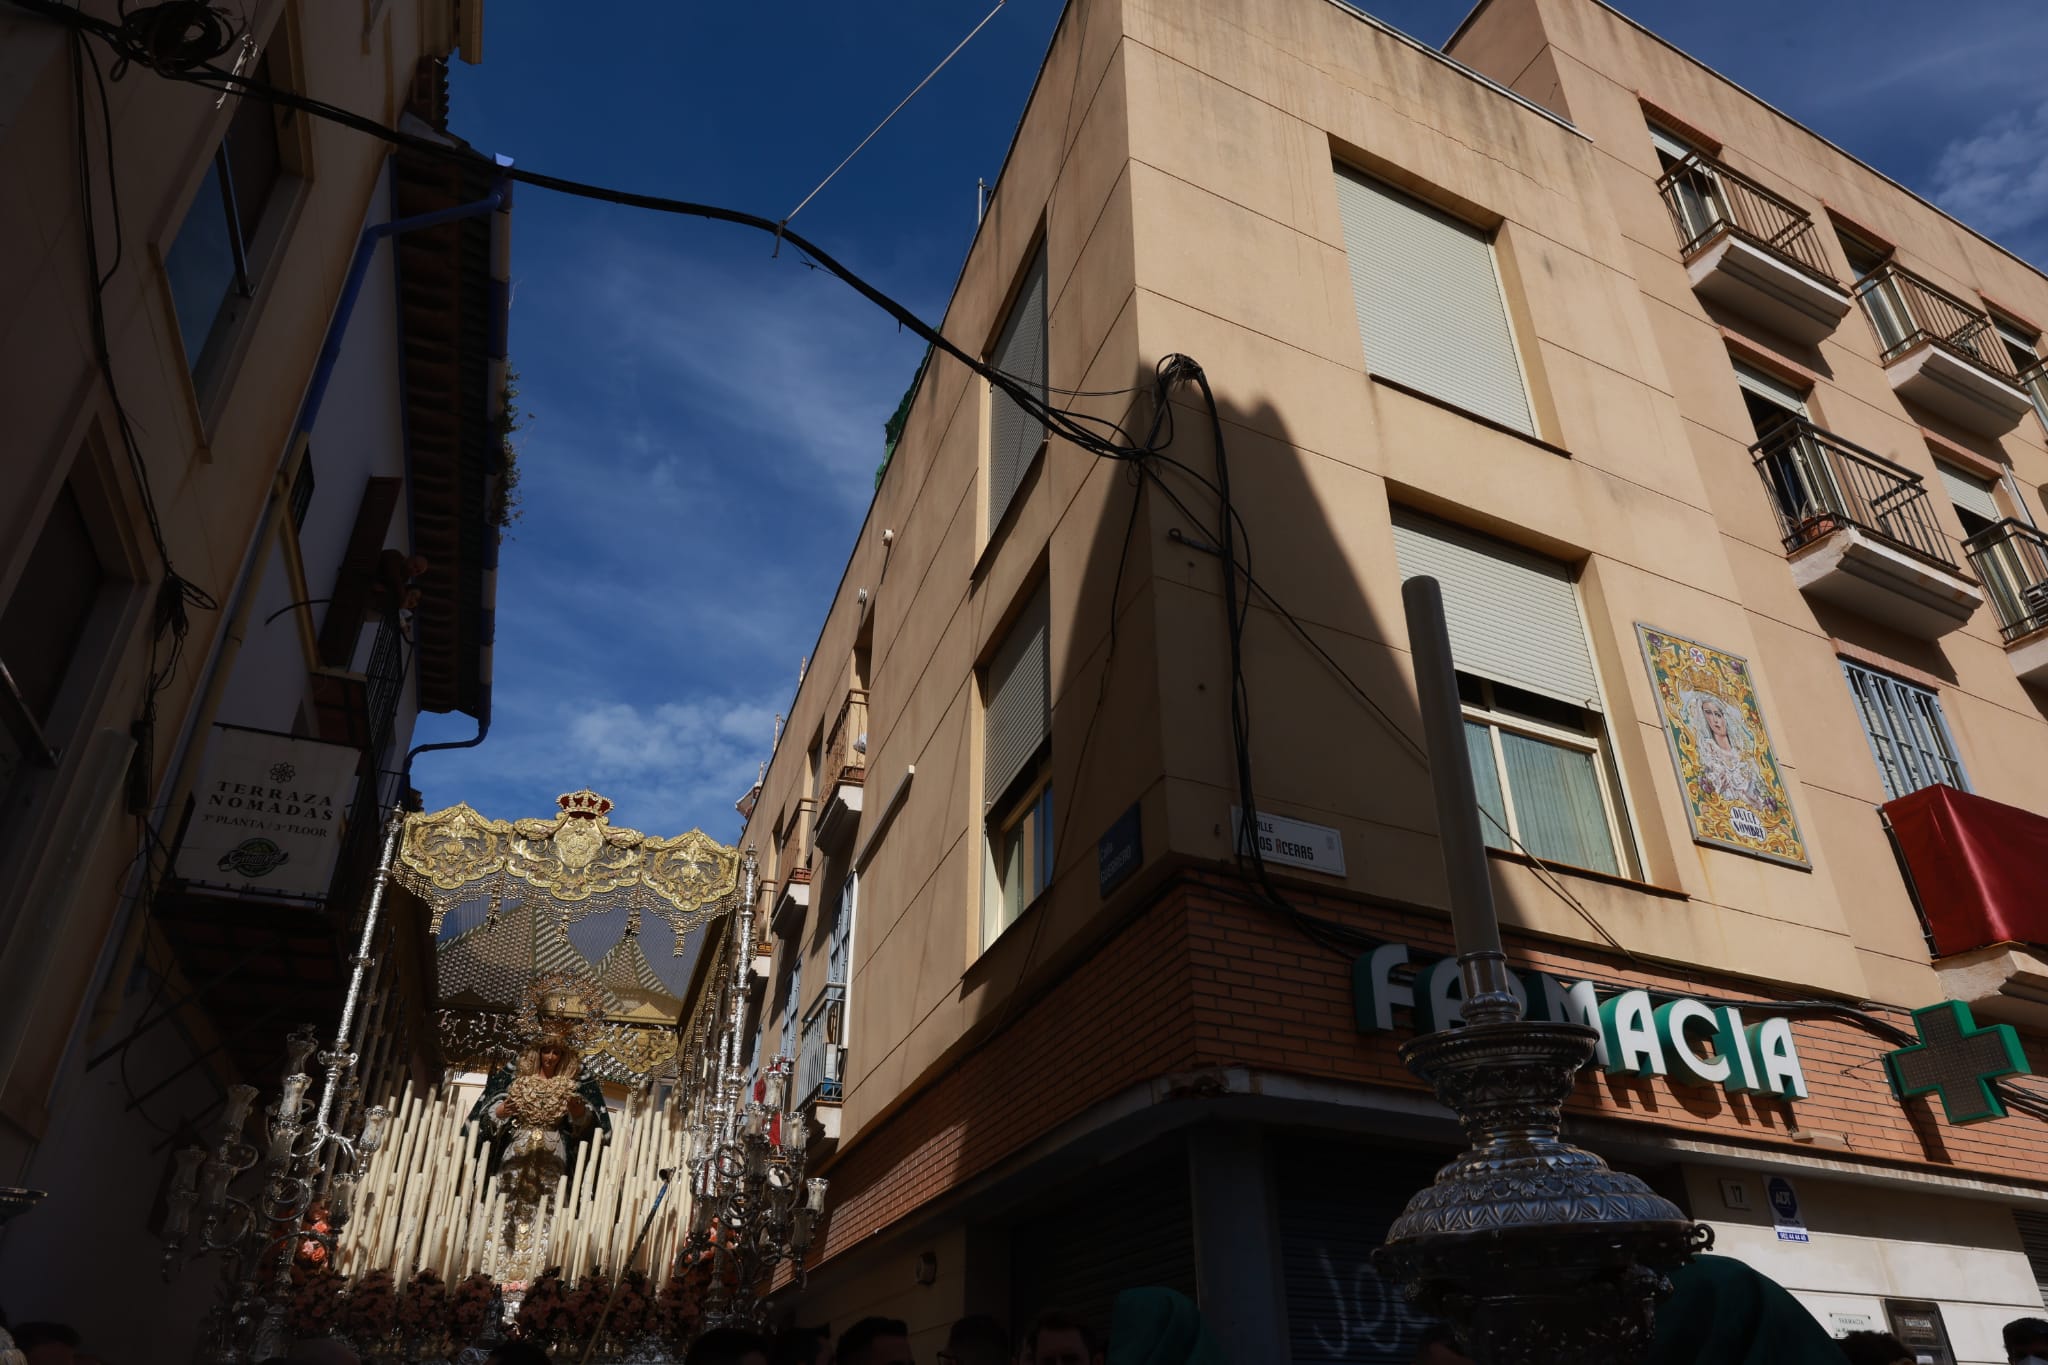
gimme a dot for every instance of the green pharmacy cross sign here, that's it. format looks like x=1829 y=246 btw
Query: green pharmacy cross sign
x=1958 y=1061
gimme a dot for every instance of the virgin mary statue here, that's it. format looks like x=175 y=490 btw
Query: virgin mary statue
x=533 y=1115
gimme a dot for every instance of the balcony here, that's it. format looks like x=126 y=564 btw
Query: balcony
x=843 y=773
x=1976 y=868
x=1940 y=353
x=1859 y=532
x=357 y=709
x=2012 y=559
x=821 y=1059
x=792 y=903
x=1750 y=251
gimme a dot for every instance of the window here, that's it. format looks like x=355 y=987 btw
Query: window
x=1882 y=302
x=1908 y=736
x=2020 y=346
x=792 y=996
x=1016 y=769
x=1796 y=469
x=839 y=947
x=1430 y=312
x=41 y=629
x=1015 y=436
x=1534 y=728
x=1975 y=501
x=1696 y=195
x=212 y=262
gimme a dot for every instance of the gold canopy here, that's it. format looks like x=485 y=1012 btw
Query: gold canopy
x=579 y=861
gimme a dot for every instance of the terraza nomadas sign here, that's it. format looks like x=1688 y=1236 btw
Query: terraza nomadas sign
x=1690 y=1041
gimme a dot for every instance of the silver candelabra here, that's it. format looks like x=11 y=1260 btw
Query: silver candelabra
x=306 y=1159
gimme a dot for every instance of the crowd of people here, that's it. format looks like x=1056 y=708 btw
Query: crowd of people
x=1721 y=1313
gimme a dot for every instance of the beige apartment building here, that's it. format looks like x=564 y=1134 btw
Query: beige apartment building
x=137 y=979
x=1728 y=452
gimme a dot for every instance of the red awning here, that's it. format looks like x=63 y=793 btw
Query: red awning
x=1980 y=867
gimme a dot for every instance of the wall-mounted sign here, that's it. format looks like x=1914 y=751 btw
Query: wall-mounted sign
x=1119 y=851
x=1958 y=1061
x=1735 y=796
x=268 y=813
x=1785 y=1210
x=1692 y=1042
x=1296 y=843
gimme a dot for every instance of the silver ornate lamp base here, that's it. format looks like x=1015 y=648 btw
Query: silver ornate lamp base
x=1533 y=1249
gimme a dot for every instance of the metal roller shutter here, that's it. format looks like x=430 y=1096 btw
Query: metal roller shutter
x=1128 y=1228
x=1771 y=389
x=2034 y=1239
x=1336 y=1201
x=1429 y=302
x=1014 y=434
x=1969 y=492
x=1019 y=713
x=1513 y=615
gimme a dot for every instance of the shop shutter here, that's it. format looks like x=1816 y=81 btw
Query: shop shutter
x=1014 y=434
x=2034 y=1239
x=1969 y=492
x=1336 y=1201
x=1128 y=1227
x=1429 y=302
x=1513 y=616
x=1771 y=389
x=1019 y=714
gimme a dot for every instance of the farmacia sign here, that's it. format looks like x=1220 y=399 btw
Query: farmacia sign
x=1690 y=1041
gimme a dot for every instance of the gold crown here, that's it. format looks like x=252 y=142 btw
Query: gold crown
x=584 y=805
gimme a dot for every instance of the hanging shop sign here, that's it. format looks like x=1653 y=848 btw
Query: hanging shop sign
x=1690 y=1041
x=267 y=813
x=1957 y=1061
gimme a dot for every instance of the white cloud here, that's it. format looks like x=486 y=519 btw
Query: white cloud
x=1996 y=180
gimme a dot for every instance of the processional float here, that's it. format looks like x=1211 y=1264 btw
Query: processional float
x=581 y=1174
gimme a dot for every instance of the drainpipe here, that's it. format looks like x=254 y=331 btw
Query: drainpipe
x=494 y=407
x=181 y=772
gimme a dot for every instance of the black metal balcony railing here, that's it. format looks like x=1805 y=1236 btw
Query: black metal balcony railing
x=821 y=1060
x=384 y=682
x=2012 y=559
x=1907 y=311
x=1707 y=199
x=1820 y=483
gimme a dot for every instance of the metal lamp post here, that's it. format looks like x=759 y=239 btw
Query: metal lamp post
x=1535 y=1250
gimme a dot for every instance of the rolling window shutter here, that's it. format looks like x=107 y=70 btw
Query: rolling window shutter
x=1969 y=492
x=1014 y=434
x=1513 y=616
x=1019 y=715
x=1429 y=305
x=1770 y=388
x=1672 y=145
x=2034 y=1238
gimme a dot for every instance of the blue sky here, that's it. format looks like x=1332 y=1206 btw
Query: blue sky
x=704 y=416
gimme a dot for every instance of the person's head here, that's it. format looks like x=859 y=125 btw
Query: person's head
x=1875 y=1348
x=1716 y=717
x=802 y=1346
x=1439 y=1346
x=2026 y=1338
x=1058 y=1337
x=728 y=1346
x=517 y=1353
x=875 y=1341
x=46 y=1343
x=549 y=1057
x=979 y=1340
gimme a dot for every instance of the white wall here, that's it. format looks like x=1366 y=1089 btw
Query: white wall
x=1871 y=1243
